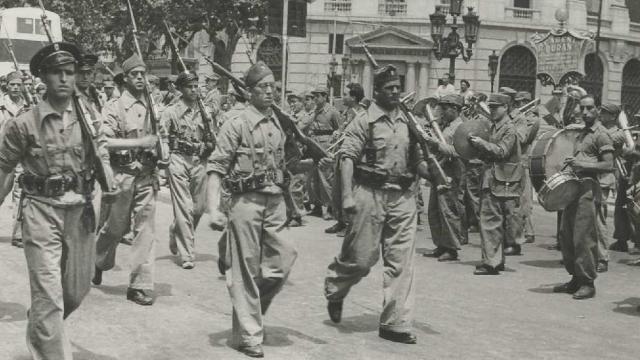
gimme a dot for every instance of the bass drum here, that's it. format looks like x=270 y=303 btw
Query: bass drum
x=548 y=151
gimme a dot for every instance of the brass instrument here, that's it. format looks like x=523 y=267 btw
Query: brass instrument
x=529 y=107
x=629 y=143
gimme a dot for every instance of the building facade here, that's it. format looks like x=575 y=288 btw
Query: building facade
x=398 y=32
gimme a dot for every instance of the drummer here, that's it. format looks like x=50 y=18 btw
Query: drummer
x=579 y=231
x=445 y=210
x=501 y=186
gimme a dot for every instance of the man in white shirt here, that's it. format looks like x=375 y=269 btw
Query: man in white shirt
x=446 y=88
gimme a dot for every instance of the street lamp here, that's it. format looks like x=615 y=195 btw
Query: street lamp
x=345 y=67
x=451 y=46
x=493 y=67
x=252 y=34
x=333 y=65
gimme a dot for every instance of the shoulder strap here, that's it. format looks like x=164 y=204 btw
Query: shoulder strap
x=41 y=139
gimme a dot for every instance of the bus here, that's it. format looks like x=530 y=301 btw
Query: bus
x=24 y=27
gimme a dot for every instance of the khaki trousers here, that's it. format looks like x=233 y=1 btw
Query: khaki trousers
x=446 y=214
x=137 y=201
x=257 y=258
x=385 y=221
x=188 y=186
x=500 y=222
x=580 y=233
x=59 y=253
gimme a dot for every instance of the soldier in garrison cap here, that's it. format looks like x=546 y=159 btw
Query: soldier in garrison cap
x=446 y=212
x=85 y=83
x=58 y=215
x=213 y=98
x=527 y=126
x=187 y=175
x=154 y=88
x=251 y=158
x=109 y=88
x=502 y=185
x=382 y=202
x=326 y=122
x=131 y=144
x=172 y=95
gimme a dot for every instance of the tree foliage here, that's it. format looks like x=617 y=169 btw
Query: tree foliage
x=98 y=25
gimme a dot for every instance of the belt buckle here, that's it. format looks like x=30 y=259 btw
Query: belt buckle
x=54 y=185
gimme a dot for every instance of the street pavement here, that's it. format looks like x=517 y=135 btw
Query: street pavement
x=457 y=315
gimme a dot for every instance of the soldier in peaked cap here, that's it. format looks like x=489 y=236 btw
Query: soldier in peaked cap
x=133 y=158
x=187 y=175
x=385 y=166
x=250 y=158
x=57 y=184
x=502 y=184
x=446 y=212
x=86 y=76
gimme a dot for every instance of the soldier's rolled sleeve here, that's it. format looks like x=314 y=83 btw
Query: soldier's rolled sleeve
x=447 y=150
x=336 y=120
x=110 y=119
x=355 y=138
x=227 y=143
x=604 y=143
x=12 y=146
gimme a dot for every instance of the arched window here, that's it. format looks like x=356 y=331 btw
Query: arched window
x=270 y=51
x=518 y=69
x=593 y=80
x=631 y=86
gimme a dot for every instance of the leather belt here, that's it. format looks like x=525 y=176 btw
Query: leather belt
x=55 y=185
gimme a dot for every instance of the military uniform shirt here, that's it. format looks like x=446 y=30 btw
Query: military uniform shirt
x=184 y=122
x=593 y=143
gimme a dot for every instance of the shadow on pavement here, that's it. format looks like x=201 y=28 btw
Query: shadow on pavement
x=544 y=289
x=160 y=289
x=274 y=336
x=84 y=354
x=370 y=323
x=549 y=264
x=11 y=312
x=628 y=306
x=630 y=262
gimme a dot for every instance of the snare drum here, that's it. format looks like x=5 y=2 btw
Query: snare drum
x=548 y=152
x=633 y=203
x=559 y=190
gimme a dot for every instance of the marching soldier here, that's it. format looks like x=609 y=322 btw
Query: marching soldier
x=579 y=230
x=326 y=121
x=58 y=180
x=85 y=78
x=131 y=143
x=109 y=90
x=214 y=96
x=501 y=186
x=384 y=164
x=250 y=158
x=172 y=95
x=446 y=211
x=187 y=175
x=12 y=105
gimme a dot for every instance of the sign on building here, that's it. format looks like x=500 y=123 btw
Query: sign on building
x=560 y=54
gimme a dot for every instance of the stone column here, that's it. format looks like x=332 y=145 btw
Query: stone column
x=410 y=79
x=367 y=83
x=423 y=81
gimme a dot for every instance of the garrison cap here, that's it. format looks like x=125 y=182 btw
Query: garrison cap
x=384 y=75
x=294 y=95
x=320 y=90
x=133 y=62
x=185 y=78
x=58 y=53
x=507 y=91
x=452 y=99
x=307 y=94
x=87 y=61
x=212 y=77
x=523 y=95
x=14 y=75
x=257 y=72
x=498 y=99
x=108 y=84
x=3 y=78
x=153 y=79
x=611 y=108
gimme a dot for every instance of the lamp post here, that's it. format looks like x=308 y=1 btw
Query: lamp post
x=345 y=67
x=452 y=46
x=333 y=64
x=252 y=34
x=493 y=67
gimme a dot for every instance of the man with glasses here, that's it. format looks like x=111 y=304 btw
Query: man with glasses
x=250 y=158
x=579 y=230
x=502 y=185
x=446 y=212
x=133 y=159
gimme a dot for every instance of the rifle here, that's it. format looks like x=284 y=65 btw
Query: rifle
x=45 y=26
x=153 y=116
x=25 y=93
x=444 y=182
x=286 y=121
x=209 y=136
x=88 y=132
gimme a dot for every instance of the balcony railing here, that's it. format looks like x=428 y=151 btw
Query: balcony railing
x=392 y=8
x=521 y=13
x=444 y=8
x=337 y=6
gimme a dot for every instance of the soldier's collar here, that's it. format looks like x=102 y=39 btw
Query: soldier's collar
x=376 y=113
x=128 y=99
x=498 y=125
x=255 y=116
x=182 y=108
x=45 y=109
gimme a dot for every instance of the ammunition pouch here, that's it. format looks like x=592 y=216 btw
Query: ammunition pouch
x=255 y=182
x=377 y=178
x=185 y=147
x=126 y=157
x=56 y=185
